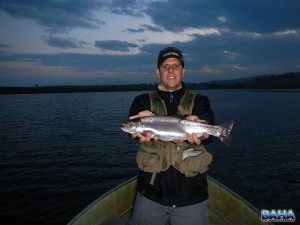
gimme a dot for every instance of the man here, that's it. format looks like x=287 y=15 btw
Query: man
x=171 y=190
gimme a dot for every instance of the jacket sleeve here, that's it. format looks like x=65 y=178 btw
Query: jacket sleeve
x=203 y=110
x=140 y=103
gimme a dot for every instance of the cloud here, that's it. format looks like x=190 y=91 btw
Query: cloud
x=262 y=16
x=254 y=16
x=288 y=32
x=4 y=46
x=74 y=69
x=152 y=28
x=118 y=40
x=126 y=11
x=139 y=30
x=129 y=7
x=176 y=15
x=114 y=45
x=64 y=43
x=56 y=16
x=60 y=16
x=145 y=27
x=248 y=15
x=222 y=19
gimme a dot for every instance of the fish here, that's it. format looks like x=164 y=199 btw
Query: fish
x=169 y=128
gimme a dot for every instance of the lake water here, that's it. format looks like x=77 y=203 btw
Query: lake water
x=59 y=152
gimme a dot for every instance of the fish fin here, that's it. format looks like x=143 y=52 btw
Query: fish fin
x=225 y=133
x=190 y=153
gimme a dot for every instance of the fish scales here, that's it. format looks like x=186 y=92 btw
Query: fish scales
x=172 y=127
x=168 y=128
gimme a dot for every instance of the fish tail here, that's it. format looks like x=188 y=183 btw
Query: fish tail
x=225 y=133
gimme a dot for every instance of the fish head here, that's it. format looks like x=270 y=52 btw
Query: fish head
x=132 y=127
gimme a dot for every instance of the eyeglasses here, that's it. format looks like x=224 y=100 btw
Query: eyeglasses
x=170 y=66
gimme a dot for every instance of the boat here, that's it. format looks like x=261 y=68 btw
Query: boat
x=115 y=206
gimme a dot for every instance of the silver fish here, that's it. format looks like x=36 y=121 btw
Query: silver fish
x=168 y=128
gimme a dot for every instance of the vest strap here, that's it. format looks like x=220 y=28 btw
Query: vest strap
x=152 y=178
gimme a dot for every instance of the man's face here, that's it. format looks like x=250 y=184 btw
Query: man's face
x=170 y=74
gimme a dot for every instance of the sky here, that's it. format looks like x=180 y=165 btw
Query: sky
x=104 y=42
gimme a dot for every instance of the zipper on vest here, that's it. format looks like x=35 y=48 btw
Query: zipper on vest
x=171 y=97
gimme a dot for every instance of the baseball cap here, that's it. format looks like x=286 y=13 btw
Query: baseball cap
x=169 y=52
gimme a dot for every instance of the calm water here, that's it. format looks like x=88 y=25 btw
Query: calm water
x=59 y=152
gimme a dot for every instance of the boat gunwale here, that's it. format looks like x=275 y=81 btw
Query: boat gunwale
x=253 y=208
x=132 y=181
x=96 y=201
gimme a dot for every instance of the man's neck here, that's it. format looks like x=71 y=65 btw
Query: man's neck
x=162 y=88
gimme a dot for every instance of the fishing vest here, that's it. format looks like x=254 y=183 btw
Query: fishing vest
x=158 y=156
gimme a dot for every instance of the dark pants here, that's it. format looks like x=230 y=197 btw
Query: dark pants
x=147 y=212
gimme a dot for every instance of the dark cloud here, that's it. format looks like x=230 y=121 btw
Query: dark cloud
x=56 y=16
x=262 y=16
x=175 y=15
x=105 y=69
x=63 y=42
x=139 y=30
x=231 y=55
x=207 y=58
x=61 y=16
x=230 y=48
x=152 y=28
x=126 y=11
x=248 y=43
x=114 y=45
x=145 y=27
x=249 y=15
x=128 y=7
x=93 y=62
x=4 y=46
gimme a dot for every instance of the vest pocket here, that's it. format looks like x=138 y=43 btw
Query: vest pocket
x=148 y=162
x=191 y=166
x=149 y=157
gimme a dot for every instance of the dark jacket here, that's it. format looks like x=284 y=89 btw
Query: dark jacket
x=171 y=187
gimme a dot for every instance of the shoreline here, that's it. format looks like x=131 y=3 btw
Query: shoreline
x=125 y=88
x=288 y=81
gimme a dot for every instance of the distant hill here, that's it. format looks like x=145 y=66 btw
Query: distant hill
x=282 y=81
